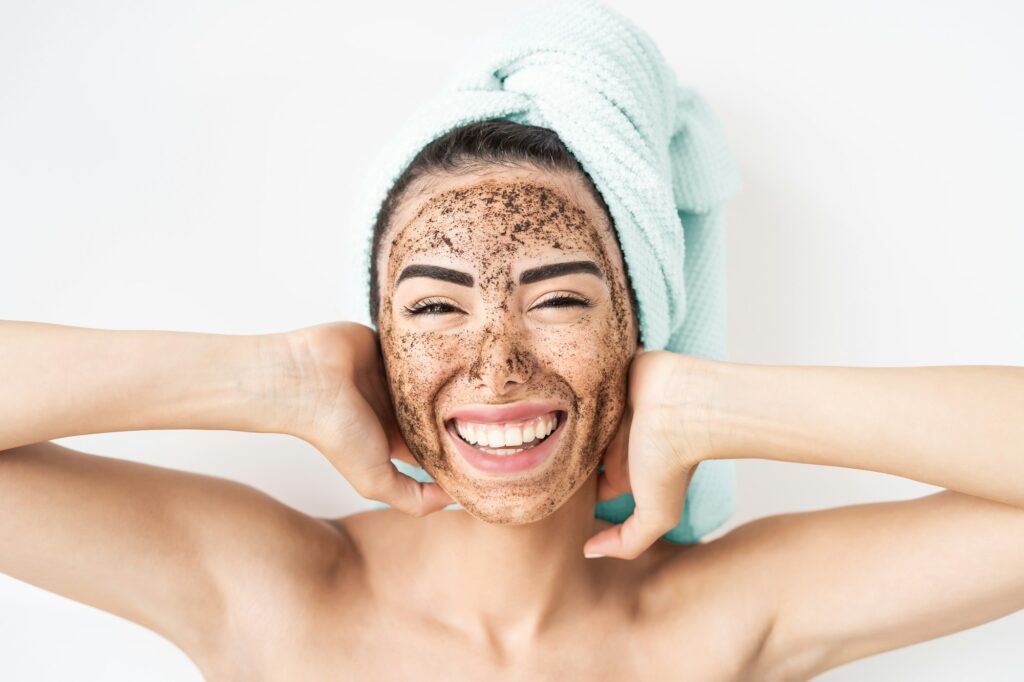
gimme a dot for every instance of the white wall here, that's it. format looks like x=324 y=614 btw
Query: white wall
x=188 y=166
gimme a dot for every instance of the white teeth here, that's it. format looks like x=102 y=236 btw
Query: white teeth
x=507 y=435
x=504 y=451
x=513 y=436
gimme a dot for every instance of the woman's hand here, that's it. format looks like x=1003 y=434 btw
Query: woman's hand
x=346 y=413
x=654 y=454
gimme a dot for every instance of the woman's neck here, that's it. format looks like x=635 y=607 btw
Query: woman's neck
x=506 y=585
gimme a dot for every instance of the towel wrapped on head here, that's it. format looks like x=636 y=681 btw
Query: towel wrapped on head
x=654 y=151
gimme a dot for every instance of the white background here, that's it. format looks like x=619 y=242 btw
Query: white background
x=189 y=166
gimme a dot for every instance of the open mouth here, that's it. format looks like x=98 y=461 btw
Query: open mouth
x=507 y=448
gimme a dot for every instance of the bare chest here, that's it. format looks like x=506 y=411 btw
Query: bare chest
x=383 y=648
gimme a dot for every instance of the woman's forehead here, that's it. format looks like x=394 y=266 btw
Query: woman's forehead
x=500 y=219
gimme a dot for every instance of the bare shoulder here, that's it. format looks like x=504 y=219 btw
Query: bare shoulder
x=854 y=581
x=793 y=595
x=278 y=571
x=712 y=595
x=208 y=563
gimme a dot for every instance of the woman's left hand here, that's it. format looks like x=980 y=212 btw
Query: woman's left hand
x=661 y=438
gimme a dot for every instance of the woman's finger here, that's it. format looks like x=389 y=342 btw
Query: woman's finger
x=630 y=539
x=386 y=483
x=659 y=505
x=376 y=477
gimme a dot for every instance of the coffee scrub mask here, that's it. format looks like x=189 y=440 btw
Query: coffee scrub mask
x=473 y=333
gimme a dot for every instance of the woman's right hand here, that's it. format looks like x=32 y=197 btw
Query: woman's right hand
x=346 y=413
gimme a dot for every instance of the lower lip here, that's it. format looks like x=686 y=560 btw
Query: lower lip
x=507 y=464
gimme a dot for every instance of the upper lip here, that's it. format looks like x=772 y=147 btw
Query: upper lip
x=496 y=414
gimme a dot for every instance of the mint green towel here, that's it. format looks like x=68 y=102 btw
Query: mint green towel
x=655 y=152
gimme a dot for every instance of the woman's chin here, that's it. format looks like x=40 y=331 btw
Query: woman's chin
x=498 y=501
x=509 y=514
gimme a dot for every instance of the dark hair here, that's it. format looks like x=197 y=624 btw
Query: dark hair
x=473 y=147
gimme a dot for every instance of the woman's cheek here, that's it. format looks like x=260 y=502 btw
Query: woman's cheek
x=415 y=368
x=584 y=349
x=423 y=345
x=605 y=380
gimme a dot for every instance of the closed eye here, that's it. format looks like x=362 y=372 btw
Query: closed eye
x=564 y=302
x=434 y=308
x=428 y=307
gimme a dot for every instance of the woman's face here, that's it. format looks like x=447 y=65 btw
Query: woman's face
x=470 y=330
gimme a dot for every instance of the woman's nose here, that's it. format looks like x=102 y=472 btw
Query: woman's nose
x=501 y=363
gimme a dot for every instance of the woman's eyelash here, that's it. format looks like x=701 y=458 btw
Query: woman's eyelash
x=565 y=301
x=427 y=308
x=433 y=308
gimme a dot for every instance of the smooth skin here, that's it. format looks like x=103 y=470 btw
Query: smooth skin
x=226 y=572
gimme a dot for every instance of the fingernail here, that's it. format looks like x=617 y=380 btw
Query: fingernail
x=592 y=555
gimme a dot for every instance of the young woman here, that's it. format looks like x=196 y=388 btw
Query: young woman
x=507 y=364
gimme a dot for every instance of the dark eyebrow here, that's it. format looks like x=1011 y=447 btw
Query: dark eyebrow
x=559 y=269
x=526 y=277
x=437 y=272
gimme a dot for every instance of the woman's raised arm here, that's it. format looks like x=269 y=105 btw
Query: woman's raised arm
x=175 y=552
x=324 y=384
x=835 y=585
x=58 y=381
x=181 y=553
x=958 y=427
x=862 y=579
